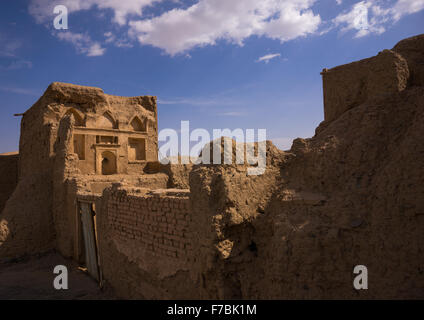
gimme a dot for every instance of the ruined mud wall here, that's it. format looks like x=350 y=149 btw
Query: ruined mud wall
x=64 y=189
x=144 y=242
x=26 y=223
x=227 y=202
x=351 y=195
x=341 y=199
x=349 y=85
x=178 y=174
x=372 y=213
x=412 y=50
x=8 y=176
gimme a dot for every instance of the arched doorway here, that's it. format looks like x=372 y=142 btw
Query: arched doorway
x=108 y=163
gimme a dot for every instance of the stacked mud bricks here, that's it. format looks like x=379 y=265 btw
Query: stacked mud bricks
x=158 y=224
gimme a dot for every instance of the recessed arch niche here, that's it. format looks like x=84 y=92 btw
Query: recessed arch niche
x=137 y=125
x=107 y=121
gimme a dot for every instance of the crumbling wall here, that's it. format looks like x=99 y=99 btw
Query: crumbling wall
x=26 y=223
x=371 y=213
x=226 y=202
x=351 y=195
x=145 y=245
x=349 y=85
x=8 y=176
x=64 y=189
x=178 y=174
x=412 y=50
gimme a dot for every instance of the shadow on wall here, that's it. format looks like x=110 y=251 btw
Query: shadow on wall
x=8 y=176
x=8 y=182
x=24 y=226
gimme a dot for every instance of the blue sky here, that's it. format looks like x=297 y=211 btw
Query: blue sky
x=217 y=63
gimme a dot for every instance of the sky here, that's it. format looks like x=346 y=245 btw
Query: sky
x=249 y=64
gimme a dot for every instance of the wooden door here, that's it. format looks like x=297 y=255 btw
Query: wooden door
x=89 y=239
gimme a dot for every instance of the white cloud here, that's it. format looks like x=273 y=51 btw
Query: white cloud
x=95 y=50
x=268 y=57
x=120 y=43
x=208 y=21
x=374 y=16
x=404 y=7
x=82 y=42
x=110 y=37
x=42 y=10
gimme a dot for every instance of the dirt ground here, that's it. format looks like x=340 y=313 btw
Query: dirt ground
x=32 y=278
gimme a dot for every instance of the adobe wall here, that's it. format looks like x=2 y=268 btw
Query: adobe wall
x=229 y=208
x=145 y=243
x=26 y=222
x=412 y=50
x=178 y=174
x=8 y=176
x=64 y=189
x=350 y=85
